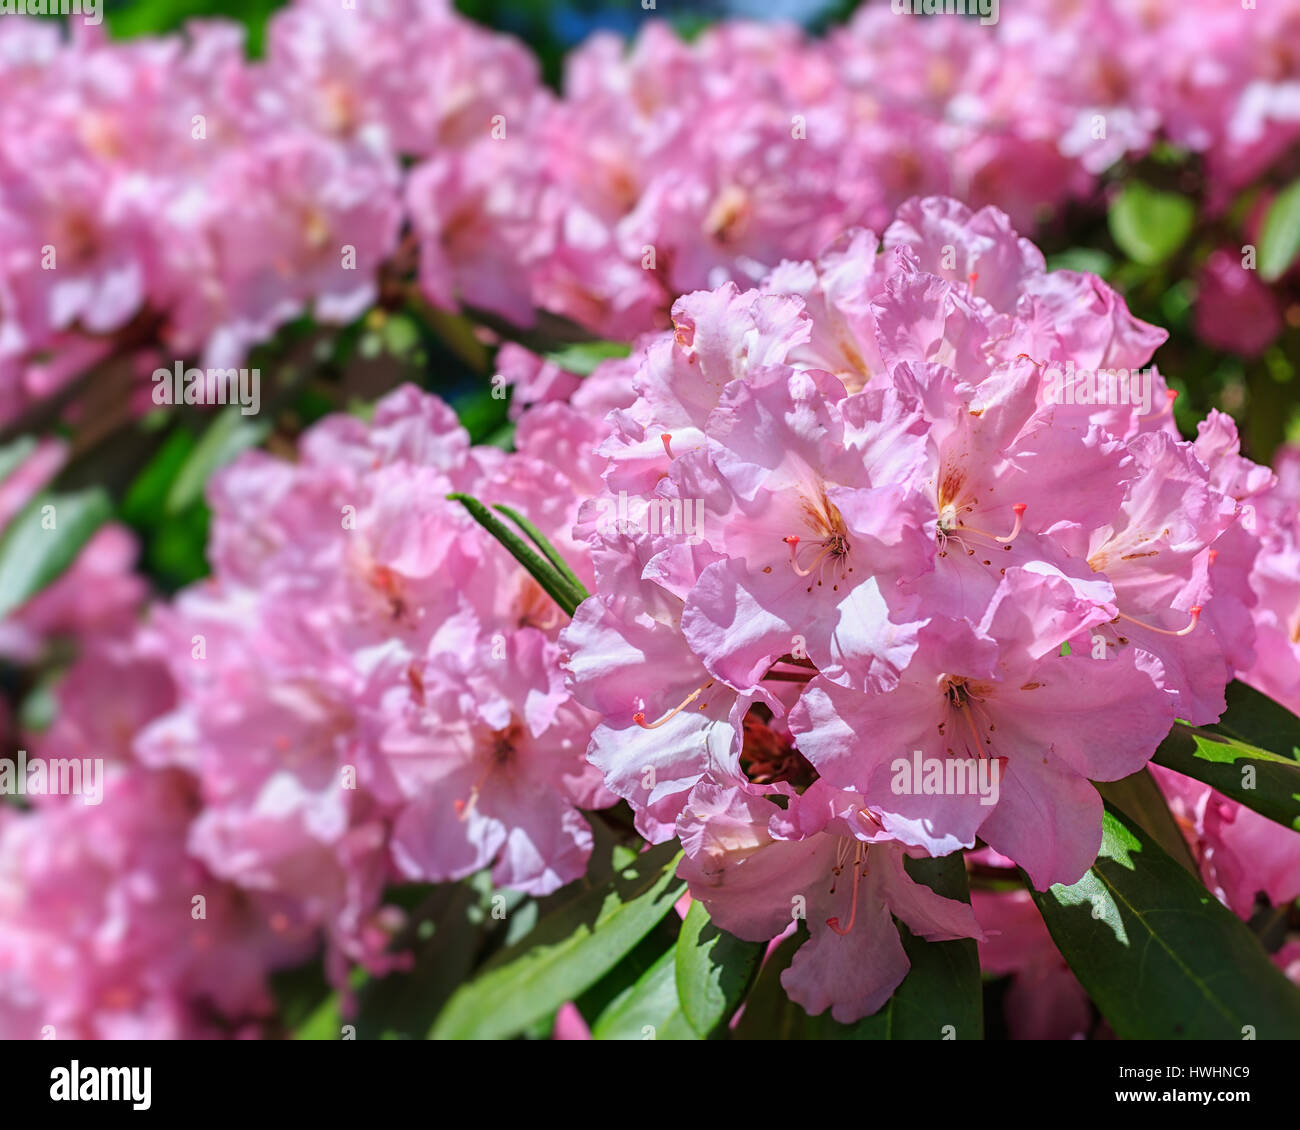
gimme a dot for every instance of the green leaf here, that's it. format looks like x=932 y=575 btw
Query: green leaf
x=32 y=556
x=146 y=498
x=714 y=971
x=1279 y=238
x=647 y=1010
x=615 y=985
x=1149 y=225
x=1158 y=954
x=1256 y=719
x=539 y=539
x=583 y=358
x=570 y=950
x=230 y=434
x=557 y=585
x=1141 y=798
x=1261 y=780
x=483 y=411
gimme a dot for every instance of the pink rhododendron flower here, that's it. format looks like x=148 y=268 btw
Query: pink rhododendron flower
x=369 y=685
x=756 y=867
x=859 y=507
x=1240 y=852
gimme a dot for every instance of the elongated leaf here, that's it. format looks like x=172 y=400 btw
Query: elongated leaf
x=614 y=986
x=1279 y=238
x=555 y=584
x=146 y=498
x=1141 y=798
x=1254 y=718
x=1158 y=954
x=714 y=970
x=568 y=951
x=1150 y=225
x=1261 y=780
x=647 y=1010
x=552 y=554
x=229 y=435
x=32 y=554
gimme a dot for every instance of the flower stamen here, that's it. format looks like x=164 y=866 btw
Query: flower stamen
x=859 y=868
x=1194 y=612
x=639 y=716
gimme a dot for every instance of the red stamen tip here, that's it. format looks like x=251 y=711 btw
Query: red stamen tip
x=1020 y=507
x=639 y=717
x=667 y=440
x=1214 y=556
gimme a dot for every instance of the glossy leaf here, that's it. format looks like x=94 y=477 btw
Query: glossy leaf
x=714 y=970
x=568 y=951
x=1158 y=954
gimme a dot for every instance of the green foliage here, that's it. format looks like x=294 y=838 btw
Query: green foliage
x=1150 y=225
x=1157 y=952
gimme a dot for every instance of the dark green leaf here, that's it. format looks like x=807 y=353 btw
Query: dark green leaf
x=551 y=553
x=615 y=984
x=1158 y=954
x=570 y=950
x=556 y=585
x=714 y=971
x=1141 y=798
x=648 y=1009
x=146 y=497
x=1261 y=780
x=1256 y=719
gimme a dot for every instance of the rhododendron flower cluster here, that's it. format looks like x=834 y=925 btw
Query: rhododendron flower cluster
x=366 y=690
x=907 y=546
x=171 y=192
x=788 y=553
